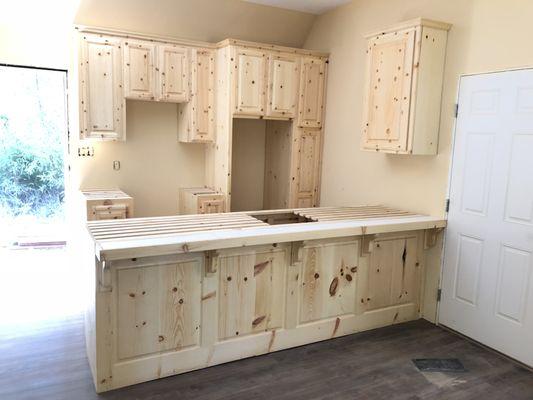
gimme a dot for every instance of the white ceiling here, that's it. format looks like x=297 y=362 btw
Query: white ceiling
x=309 y=6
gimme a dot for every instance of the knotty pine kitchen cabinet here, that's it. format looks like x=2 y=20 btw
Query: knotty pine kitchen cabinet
x=155 y=72
x=196 y=118
x=282 y=85
x=311 y=101
x=102 y=108
x=405 y=67
x=306 y=169
x=200 y=201
x=249 y=81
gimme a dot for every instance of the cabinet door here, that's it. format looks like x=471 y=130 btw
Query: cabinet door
x=211 y=204
x=306 y=168
x=203 y=96
x=388 y=91
x=102 y=106
x=249 y=82
x=139 y=72
x=283 y=80
x=311 y=102
x=173 y=74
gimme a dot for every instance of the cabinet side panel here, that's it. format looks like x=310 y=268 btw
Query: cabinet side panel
x=277 y=165
x=428 y=94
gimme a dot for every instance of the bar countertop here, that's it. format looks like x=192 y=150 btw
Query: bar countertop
x=139 y=237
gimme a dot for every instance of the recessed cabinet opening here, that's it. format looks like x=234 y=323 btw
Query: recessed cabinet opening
x=282 y=218
x=260 y=164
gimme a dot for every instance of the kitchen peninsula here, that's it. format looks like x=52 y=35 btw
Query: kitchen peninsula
x=178 y=293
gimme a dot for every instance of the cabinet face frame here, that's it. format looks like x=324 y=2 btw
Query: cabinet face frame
x=203 y=95
x=306 y=168
x=139 y=70
x=173 y=77
x=311 y=101
x=390 y=58
x=283 y=85
x=249 y=77
x=102 y=105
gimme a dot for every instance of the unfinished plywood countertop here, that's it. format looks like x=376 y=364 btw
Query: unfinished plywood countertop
x=140 y=237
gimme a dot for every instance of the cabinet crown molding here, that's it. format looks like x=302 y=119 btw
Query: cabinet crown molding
x=429 y=23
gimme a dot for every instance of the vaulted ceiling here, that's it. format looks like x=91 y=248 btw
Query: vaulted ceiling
x=308 y=6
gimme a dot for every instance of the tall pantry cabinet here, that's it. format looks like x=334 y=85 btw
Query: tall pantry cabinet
x=285 y=88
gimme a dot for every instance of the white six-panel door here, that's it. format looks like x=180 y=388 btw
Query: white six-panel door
x=487 y=286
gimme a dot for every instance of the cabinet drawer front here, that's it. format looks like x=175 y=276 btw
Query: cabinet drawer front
x=173 y=70
x=101 y=101
x=389 y=79
x=283 y=80
x=210 y=204
x=311 y=102
x=116 y=211
x=139 y=74
x=250 y=82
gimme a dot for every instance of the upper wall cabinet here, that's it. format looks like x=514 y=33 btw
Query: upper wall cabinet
x=249 y=81
x=139 y=72
x=156 y=72
x=172 y=72
x=311 y=103
x=405 y=67
x=283 y=80
x=196 y=118
x=102 y=105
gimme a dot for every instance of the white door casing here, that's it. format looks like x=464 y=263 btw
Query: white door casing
x=487 y=283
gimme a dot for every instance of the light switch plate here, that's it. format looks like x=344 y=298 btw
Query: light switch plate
x=116 y=165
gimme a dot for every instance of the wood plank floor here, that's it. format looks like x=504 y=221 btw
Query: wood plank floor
x=49 y=363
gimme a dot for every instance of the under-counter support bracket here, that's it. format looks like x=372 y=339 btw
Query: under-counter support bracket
x=431 y=236
x=104 y=277
x=210 y=262
x=367 y=244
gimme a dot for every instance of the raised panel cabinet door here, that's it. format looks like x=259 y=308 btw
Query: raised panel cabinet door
x=139 y=71
x=211 y=205
x=173 y=73
x=328 y=279
x=102 y=105
x=283 y=81
x=251 y=290
x=388 y=92
x=249 y=81
x=311 y=102
x=306 y=171
x=203 y=95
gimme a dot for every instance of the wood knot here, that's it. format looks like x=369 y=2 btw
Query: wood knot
x=174 y=289
x=180 y=301
x=333 y=286
x=160 y=338
x=348 y=277
x=258 y=320
x=317 y=275
x=132 y=294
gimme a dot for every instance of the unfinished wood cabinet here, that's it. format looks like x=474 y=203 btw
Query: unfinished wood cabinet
x=201 y=201
x=102 y=106
x=172 y=73
x=306 y=168
x=311 y=101
x=139 y=70
x=283 y=83
x=196 y=118
x=405 y=67
x=100 y=205
x=249 y=75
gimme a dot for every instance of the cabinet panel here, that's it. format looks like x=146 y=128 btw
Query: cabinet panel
x=393 y=274
x=158 y=308
x=102 y=106
x=283 y=81
x=173 y=73
x=311 y=103
x=390 y=65
x=211 y=204
x=250 y=71
x=139 y=72
x=252 y=291
x=328 y=284
x=306 y=170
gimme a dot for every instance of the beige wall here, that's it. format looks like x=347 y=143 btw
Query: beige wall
x=487 y=35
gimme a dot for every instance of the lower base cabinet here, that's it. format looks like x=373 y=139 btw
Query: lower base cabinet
x=163 y=315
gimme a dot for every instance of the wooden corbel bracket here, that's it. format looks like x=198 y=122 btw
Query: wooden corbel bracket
x=367 y=243
x=104 y=277
x=211 y=262
x=431 y=236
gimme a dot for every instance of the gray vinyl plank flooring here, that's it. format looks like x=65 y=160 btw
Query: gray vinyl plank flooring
x=49 y=362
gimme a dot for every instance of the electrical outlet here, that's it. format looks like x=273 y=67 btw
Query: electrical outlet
x=86 y=151
x=116 y=165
